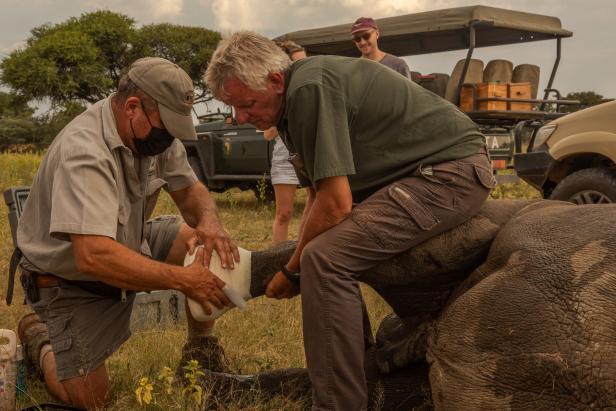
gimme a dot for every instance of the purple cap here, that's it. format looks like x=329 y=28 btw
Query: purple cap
x=363 y=24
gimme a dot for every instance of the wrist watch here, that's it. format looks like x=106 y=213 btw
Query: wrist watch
x=291 y=276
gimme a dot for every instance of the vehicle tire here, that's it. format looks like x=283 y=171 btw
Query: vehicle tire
x=587 y=186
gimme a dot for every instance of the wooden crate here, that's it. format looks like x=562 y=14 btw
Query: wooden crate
x=492 y=89
x=521 y=91
x=469 y=92
x=467 y=97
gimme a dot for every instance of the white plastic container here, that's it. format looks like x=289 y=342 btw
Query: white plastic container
x=8 y=369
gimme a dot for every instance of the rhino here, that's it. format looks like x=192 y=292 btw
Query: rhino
x=511 y=310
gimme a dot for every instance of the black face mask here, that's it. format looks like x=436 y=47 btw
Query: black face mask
x=157 y=140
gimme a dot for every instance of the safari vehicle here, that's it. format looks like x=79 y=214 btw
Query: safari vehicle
x=467 y=28
x=227 y=155
x=573 y=158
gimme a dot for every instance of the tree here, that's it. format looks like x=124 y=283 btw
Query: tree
x=16 y=122
x=17 y=131
x=81 y=59
x=61 y=63
x=586 y=99
x=189 y=47
x=12 y=105
x=21 y=130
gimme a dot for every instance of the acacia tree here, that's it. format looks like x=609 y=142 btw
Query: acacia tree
x=17 y=125
x=189 y=47
x=14 y=106
x=586 y=99
x=20 y=129
x=81 y=59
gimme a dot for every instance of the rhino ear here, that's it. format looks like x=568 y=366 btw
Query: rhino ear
x=237 y=285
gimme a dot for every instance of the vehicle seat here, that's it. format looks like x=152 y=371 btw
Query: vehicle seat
x=527 y=73
x=498 y=70
x=473 y=75
x=435 y=82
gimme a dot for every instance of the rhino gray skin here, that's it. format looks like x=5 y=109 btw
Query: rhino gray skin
x=534 y=327
x=511 y=310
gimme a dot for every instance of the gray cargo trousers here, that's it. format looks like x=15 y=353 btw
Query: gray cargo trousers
x=392 y=220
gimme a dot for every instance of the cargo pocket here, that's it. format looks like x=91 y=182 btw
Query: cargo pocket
x=442 y=174
x=395 y=218
x=61 y=339
x=419 y=213
x=485 y=176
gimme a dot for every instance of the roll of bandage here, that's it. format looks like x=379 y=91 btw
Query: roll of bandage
x=237 y=287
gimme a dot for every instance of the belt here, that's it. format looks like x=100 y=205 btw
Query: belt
x=47 y=280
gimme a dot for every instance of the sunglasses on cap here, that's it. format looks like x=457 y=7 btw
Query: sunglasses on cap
x=366 y=35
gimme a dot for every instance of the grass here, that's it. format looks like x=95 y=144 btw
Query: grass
x=265 y=336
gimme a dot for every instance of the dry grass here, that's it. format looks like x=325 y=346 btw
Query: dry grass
x=265 y=336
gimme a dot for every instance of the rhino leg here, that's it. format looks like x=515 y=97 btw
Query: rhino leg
x=401 y=390
x=417 y=284
x=441 y=262
x=264 y=264
x=534 y=327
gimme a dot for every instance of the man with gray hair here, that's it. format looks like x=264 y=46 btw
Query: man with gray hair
x=389 y=165
x=88 y=242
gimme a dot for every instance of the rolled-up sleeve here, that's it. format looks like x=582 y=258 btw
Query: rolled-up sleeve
x=84 y=196
x=177 y=171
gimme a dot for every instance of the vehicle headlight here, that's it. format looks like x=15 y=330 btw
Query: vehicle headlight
x=543 y=134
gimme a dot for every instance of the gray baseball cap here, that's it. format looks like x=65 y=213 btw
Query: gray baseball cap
x=172 y=89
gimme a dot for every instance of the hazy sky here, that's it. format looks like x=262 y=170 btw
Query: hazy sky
x=588 y=61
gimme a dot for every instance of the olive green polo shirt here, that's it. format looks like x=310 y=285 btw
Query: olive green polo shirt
x=90 y=183
x=357 y=118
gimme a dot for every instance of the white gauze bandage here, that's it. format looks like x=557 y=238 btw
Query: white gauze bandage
x=237 y=286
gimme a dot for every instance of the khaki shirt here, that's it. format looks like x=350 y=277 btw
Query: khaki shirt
x=90 y=183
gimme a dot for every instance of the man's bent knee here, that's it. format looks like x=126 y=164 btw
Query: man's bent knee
x=319 y=261
x=90 y=391
x=313 y=253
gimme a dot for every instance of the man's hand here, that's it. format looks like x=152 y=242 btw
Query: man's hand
x=280 y=287
x=203 y=286
x=199 y=212
x=214 y=237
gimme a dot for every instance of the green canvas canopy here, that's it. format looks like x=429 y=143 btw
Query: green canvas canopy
x=436 y=31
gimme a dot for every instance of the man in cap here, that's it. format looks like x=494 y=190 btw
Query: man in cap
x=389 y=165
x=88 y=243
x=365 y=34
